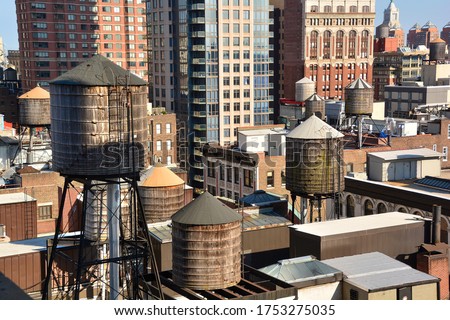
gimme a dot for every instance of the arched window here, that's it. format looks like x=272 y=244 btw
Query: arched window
x=350 y=206
x=365 y=9
x=327 y=44
x=314 y=9
x=381 y=208
x=340 y=9
x=327 y=9
x=352 y=44
x=353 y=9
x=365 y=44
x=340 y=44
x=368 y=208
x=314 y=42
x=402 y=209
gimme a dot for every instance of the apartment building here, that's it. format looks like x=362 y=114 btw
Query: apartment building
x=56 y=36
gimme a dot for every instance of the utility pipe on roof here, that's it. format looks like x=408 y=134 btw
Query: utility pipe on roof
x=113 y=204
x=436 y=235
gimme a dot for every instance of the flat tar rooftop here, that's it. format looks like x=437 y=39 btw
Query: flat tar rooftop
x=358 y=224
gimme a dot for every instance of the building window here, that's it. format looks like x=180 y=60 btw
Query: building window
x=327 y=44
x=365 y=44
x=236 y=175
x=229 y=175
x=340 y=44
x=158 y=128
x=169 y=159
x=313 y=44
x=283 y=178
x=435 y=147
x=270 y=179
x=444 y=153
x=211 y=169
x=352 y=44
x=44 y=212
x=350 y=207
x=381 y=208
x=448 y=131
x=158 y=145
x=354 y=294
x=169 y=144
x=221 y=172
x=368 y=208
x=248 y=178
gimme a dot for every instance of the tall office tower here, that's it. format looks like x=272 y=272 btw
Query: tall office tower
x=391 y=26
x=211 y=65
x=328 y=41
x=55 y=36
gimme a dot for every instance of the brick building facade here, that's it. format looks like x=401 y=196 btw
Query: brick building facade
x=330 y=42
x=56 y=36
x=162 y=138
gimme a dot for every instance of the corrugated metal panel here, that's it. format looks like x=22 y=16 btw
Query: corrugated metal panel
x=20 y=220
x=25 y=270
x=375 y=271
x=438 y=183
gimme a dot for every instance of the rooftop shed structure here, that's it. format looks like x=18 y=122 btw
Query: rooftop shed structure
x=403 y=164
x=394 y=234
x=206 y=249
x=376 y=276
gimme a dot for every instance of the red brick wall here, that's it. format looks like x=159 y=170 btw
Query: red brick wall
x=436 y=265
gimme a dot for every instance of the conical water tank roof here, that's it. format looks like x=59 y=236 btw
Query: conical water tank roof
x=206 y=210
x=315 y=105
x=36 y=93
x=359 y=84
x=98 y=71
x=314 y=128
x=160 y=176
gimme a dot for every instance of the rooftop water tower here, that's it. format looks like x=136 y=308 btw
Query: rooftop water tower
x=99 y=134
x=34 y=112
x=314 y=162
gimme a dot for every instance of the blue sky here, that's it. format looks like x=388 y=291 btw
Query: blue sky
x=411 y=11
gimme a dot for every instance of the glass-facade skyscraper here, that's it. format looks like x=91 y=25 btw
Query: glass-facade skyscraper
x=211 y=64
